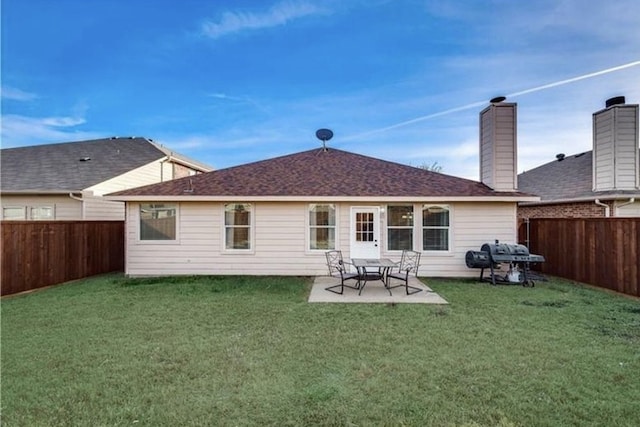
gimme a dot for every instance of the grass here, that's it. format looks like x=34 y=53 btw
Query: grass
x=240 y=351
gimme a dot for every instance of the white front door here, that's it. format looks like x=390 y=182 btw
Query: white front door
x=365 y=232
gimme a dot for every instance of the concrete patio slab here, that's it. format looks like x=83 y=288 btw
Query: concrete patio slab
x=374 y=292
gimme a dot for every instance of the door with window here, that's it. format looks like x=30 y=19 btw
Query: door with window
x=365 y=232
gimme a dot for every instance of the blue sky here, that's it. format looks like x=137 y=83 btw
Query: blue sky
x=231 y=82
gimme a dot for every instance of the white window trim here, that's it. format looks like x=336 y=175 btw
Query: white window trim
x=448 y=252
x=307 y=224
x=31 y=208
x=24 y=213
x=252 y=230
x=175 y=241
x=415 y=230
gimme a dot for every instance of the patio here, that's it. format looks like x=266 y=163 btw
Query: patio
x=374 y=292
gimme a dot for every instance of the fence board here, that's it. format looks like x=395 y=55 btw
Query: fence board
x=43 y=253
x=604 y=252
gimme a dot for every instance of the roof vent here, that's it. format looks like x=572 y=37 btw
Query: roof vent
x=84 y=159
x=114 y=137
x=614 y=101
x=560 y=157
x=497 y=99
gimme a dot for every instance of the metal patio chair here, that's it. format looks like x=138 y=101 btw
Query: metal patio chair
x=337 y=268
x=409 y=264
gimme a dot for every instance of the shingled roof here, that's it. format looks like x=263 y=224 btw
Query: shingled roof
x=566 y=180
x=74 y=166
x=317 y=173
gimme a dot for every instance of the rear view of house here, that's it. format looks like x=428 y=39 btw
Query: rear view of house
x=279 y=216
x=67 y=181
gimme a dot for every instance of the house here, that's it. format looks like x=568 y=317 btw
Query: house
x=598 y=183
x=66 y=181
x=279 y=216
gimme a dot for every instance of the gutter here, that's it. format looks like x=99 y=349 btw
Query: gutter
x=607 y=209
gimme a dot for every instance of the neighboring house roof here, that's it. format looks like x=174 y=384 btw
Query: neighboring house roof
x=567 y=180
x=328 y=173
x=74 y=166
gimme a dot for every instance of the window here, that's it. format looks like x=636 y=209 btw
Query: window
x=399 y=227
x=14 y=212
x=322 y=227
x=364 y=227
x=158 y=221
x=435 y=228
x=237 y=225
x=41 y=212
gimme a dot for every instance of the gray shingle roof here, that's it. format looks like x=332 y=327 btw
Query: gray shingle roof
x=564 y=181
x=58 y=167
x=318 y=173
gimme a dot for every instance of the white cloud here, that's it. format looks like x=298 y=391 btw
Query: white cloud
x=16 y=94
x=22 y=130
x=279 y=14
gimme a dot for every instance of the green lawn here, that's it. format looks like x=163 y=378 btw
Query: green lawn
x=242 y=351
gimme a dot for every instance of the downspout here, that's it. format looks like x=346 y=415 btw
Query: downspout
x=631 y=200
x=607 y=209
x=81 y=200
x=162 y=162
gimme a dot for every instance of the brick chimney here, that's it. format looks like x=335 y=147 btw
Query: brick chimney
x=498 y=145
x=616 y=157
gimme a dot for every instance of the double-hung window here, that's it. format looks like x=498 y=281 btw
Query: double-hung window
x=237 y=226
x=322 y=226
x=435 y=228
x=400 y=227
x=158 y=221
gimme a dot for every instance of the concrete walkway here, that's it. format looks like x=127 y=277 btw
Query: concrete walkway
x=374 y=292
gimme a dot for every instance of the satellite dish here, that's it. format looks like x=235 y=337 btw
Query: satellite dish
x=324 y=135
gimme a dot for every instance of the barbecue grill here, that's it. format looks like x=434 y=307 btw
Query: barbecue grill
x=492 y=255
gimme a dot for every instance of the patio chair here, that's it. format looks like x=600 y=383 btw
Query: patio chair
x=409 y=264
x=337 y=269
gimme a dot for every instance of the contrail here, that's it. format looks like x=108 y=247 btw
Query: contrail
x=480 y=103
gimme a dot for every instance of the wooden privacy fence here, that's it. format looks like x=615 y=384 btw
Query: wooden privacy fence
x=604 y=252
x=42 y=253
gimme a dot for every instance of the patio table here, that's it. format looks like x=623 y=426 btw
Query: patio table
x=383 y=265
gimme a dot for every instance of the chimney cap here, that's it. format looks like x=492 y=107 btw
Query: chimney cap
x=614 y=101
x=560 y=157
x=497 y=99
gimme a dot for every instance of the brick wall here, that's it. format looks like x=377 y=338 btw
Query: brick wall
x=564 y=210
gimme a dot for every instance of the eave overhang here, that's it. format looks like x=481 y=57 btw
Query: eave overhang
x=354 y=199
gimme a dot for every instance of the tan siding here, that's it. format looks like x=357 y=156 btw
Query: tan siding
x=473 y=225
x=96 y=208
x=65 y=207
x=498 y=143
x=486 y=149
x=603 y=151
x=147 y=174
x=626 y=149
x=616 y=163
x=629 y=210
x=280 y=244
x=167 y=171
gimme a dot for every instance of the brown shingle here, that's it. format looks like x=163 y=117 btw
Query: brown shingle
x=321 y=174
